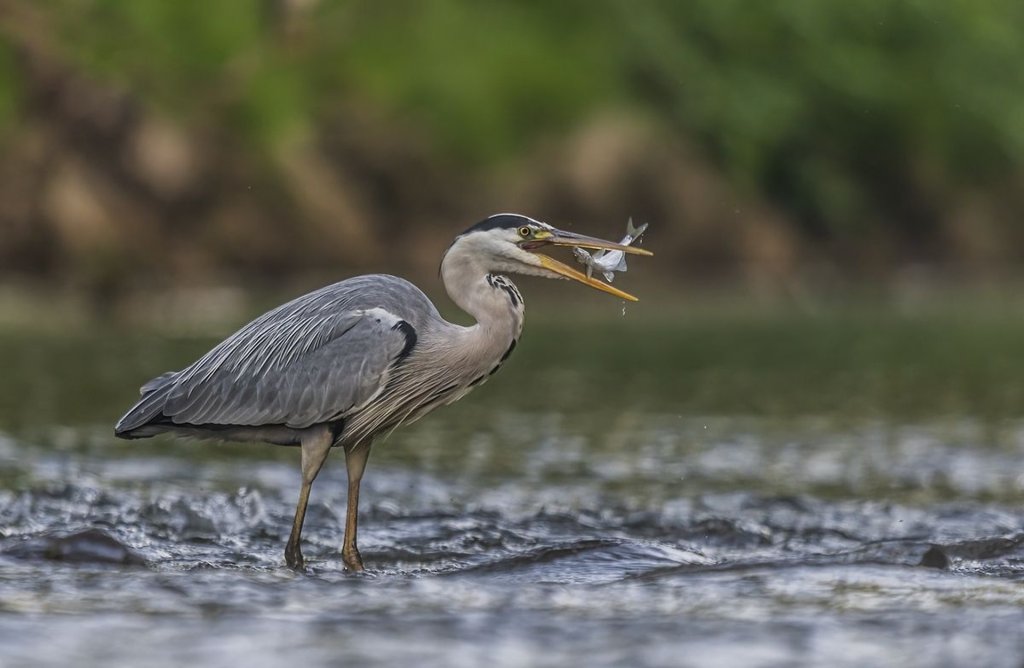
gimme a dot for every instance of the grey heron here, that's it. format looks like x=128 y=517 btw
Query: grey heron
x=358 y=358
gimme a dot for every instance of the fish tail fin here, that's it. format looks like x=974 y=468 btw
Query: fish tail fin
x=635 y=232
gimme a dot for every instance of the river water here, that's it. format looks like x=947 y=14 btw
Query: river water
x=670 y=495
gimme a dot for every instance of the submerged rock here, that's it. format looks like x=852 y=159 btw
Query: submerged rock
x=935 y=558
x=86 y=546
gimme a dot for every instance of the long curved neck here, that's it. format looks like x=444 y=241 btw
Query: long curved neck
x=492 y=300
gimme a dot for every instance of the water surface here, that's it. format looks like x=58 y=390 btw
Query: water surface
x=830 y=490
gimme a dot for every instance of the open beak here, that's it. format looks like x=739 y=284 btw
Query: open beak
x=562 y=238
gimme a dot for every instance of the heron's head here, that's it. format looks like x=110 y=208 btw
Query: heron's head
x=509 y=243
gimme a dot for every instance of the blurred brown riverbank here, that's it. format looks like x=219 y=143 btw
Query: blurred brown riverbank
x=131 y=168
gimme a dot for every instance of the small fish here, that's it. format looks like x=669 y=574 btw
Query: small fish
x=609 y=262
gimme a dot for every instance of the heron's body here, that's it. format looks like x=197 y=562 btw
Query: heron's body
x=345 y=363
x=344 y=356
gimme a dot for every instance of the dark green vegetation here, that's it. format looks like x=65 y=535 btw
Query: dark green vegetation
x=889 y=81
x=257 y=137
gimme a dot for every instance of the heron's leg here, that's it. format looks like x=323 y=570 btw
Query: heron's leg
x=355 y=461
x=315 y=446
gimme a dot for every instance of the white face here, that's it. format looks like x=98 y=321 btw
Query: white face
x=509 y=247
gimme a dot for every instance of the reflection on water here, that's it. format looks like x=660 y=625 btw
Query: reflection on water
x=674 y=525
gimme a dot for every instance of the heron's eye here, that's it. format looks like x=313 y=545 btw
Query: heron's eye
x=524 y=231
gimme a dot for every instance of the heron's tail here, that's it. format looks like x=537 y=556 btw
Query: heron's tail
x=136 y=422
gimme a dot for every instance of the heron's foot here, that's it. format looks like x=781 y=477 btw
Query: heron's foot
x=293 y=557
x=353 y=561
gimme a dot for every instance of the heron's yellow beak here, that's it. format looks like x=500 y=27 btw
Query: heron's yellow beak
x=567 y=271
x=562 y=238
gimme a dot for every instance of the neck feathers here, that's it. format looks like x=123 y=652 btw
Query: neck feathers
x=493 y=300
x=509 y=288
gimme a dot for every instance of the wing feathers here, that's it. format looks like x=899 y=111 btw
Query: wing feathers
x=298 y=373
x=312 y=360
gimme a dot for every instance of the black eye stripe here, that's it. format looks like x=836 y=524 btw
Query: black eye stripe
x=508 y=221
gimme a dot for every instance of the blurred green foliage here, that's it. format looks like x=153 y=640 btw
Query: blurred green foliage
x=841 y=112
x=830 y=106
x=9 y=96
x=760 y=82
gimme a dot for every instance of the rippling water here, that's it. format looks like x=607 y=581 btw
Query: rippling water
x=563 y=527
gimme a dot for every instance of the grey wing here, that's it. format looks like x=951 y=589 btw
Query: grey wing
x=296 y=372
x=156 y=383
x=314 y=359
